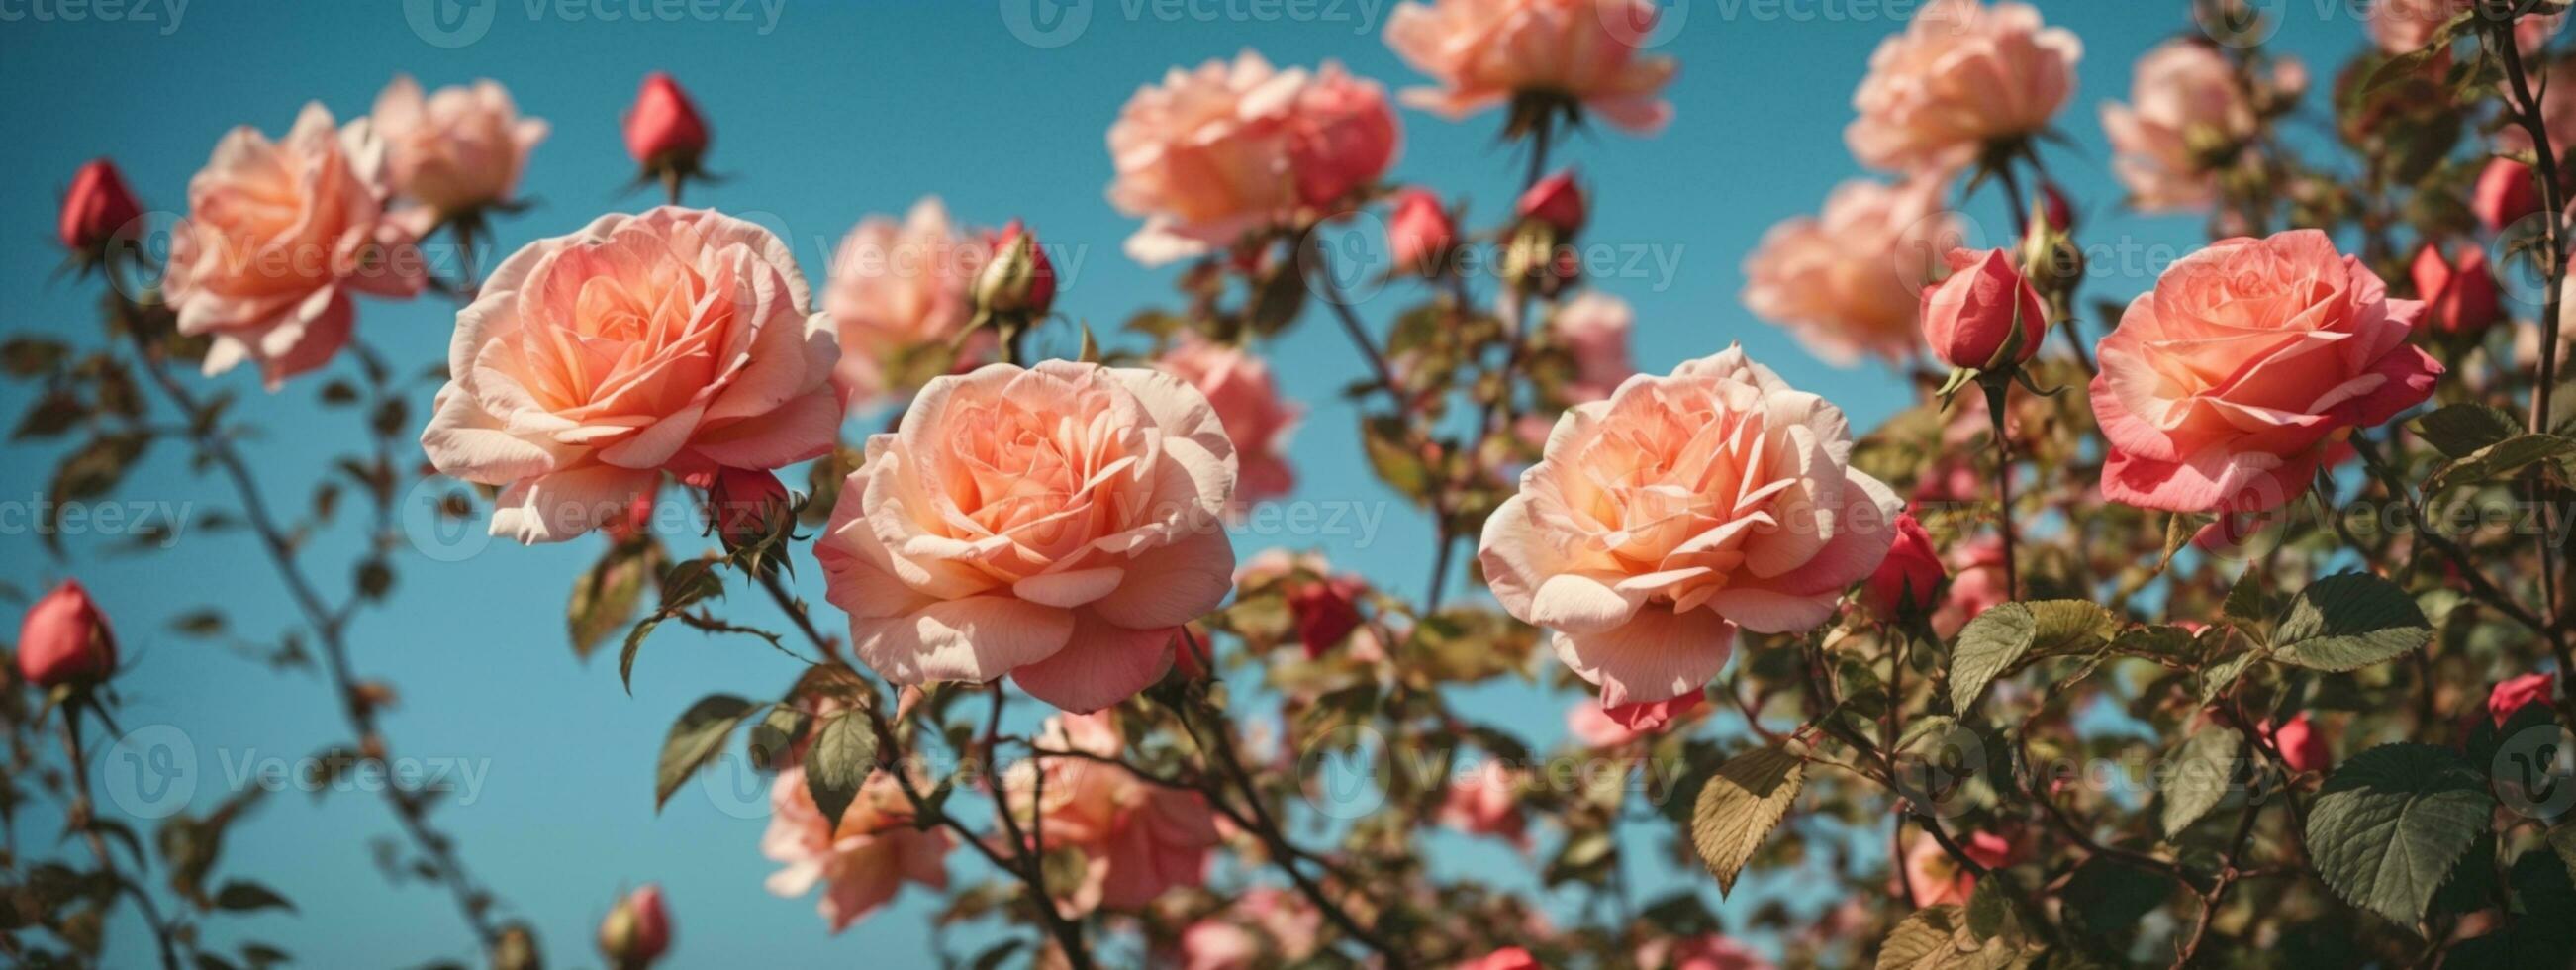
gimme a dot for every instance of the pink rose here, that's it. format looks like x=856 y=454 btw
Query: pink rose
x=1556 y=200
x=1593 y=329
x=862 y=862
x=2184 y=95
x=459 y=149
x=1420 y=234
x=278 y=236
x=2303 y=747
x=97 y=210
x=2407 y=26
x=2509 y=696
x=1969 y=317
x=1342 y=137
x=2458 y=300
x=1660 y=520
x=664 y=131
x=1601 y=728
x=1507 y=958
x=1485 y=800
x=1976 y=585
x=1940 y=880
x=1138 y=840
x=2220 y=389
x=1264 y=926
x=1223 y=151
x=1247 y=401
x=1961 y=76
x=677 y=340
x=64 y=639
x=1056 y=524
x=1485 y=52
x=1907 y=579
x=1698 y=953
x=1848 y=282
x=898 y=292
x=2504 y=193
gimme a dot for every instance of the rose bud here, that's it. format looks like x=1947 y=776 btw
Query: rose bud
x=637 y=930
x=637 y=519
x=2506 y=698
x=1555 y=201
x=1420 y=234
x=2303 y=747
x=2504 y=194
x=747 y=504
x=2054 y=208
x=2457 y=299
x=1969 y=317
x=97 y=210
x=1017 y=278
x=65 y=640
x=1908 y=580
x=663 y=129
x=1327 y=610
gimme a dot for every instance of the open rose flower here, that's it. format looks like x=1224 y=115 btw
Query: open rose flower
x=861 y=862
x=458 y=149
x=2185 y=95
x=1961 y=76
x=1138 y=840
x=898 y=295
x=279 y=236
x=1485 y=52
x=1680 y=509
x=1247 y=401
x=1057 y=524
x=1226 y=150
x=677 y=340
x=2510 y=695
x=1848 y=282
x=2221 y=388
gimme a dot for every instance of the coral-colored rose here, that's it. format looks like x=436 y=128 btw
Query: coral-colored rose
x=899 y=294
x=279 y=236
x=97 y=209
x=1660 y=520
x=2185 y=97
x=637 y=931
x=2302 y=745
x=1247 y=401
x=1556 y=200
x=1056 y=524
x=1962 y=75
x=1342 y=137
x=1848 y=282
x=2504 y=193
x=1138 y=840
x=1976 y=585
x=1485 y=52
x=1593 y=329
x=1698 y=953
x=1485 y=800
x=457 y=149
x=1420 y=234
x=678 y=340
x=1970 y=316
x=64 y=639
x=1908 y=578
x=663 y=129
x=1264 y=926
x=2220 y=389
x=1601 y=728
x=2458 y=299
x=1938 y=879
x=2510 y=695
x=1222 y=151
x=862 y=862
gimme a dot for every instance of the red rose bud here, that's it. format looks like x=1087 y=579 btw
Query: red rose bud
x=2457 y=299
x=663 y=129
x=1969 y=317
x=65 y=640
x=637 y=930
x=2504 y=193
x=1908 y=578
x=2505 y=699
x=2054 y=208
x=2302 y=746
x=1327 y=610
x=97 y=209
x=1556 y=201
x=1420 y=234
x=747 y=505
x=1017 y=278
x=638 y=518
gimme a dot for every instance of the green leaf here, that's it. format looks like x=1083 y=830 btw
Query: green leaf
x=2247 y=603
x=2000 y=637
x=845 y=751
x=2216 y=678
x=242 y=895
x=694 y=738
x=1740 y=805
x=2348 y=622
x=1922 y=940
x=2204 y=768
x=2459 y=430
x=2498 y=460
x=2392 y=821
x=606 y=597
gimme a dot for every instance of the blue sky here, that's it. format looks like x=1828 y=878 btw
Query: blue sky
x=822 y=112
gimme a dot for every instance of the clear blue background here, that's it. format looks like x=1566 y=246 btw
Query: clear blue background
x=833 y=111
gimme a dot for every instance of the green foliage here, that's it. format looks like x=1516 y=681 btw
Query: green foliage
x=2390 y=822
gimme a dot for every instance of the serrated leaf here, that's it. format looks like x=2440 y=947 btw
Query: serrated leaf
x=2499 y=460
x=2217 y=677
x=2000 y=637
x=2389 y=824
x=2204 y=768
x=2348 y=622
x=845 y=751
x=2459 y=430
x=1740 y=805
x=694 y=738
x=1922 y=940
x=606 y=597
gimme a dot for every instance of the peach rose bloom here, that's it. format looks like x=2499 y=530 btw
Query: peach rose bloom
x=457 y=149
x=1593 y=329
x=1342 y=136
x=1247 y=401
x=279 y=236
x=1214 y=153
x=2221 y=388
x=1660 y=520
x=1138 y=840
x=1940 y=880
x=1485 y=52
x=1602 y=728
x=1848 y=282
x=2181 y=87
x=677 y=340
x=1058 y=524
x=1264 y=926
x=1962 y=75
x=874 y=851
x=897 y=289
